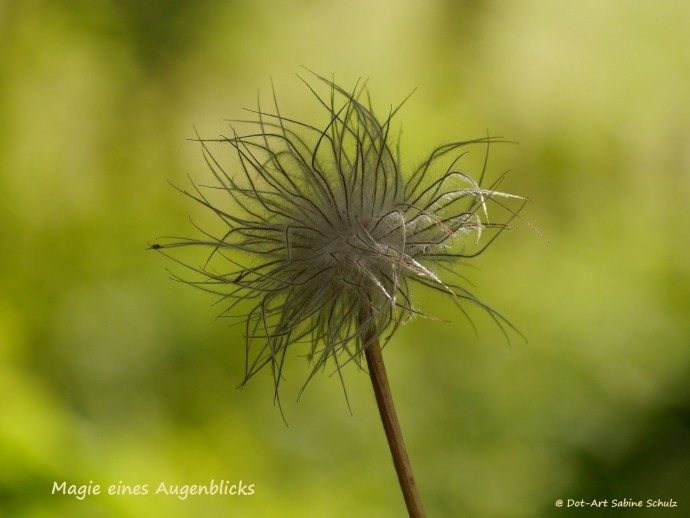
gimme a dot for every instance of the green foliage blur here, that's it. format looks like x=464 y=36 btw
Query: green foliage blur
x=111 y=372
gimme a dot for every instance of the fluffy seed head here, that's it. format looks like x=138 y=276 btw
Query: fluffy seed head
x=324 y=234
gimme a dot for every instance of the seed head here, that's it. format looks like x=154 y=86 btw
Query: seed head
x=324 y=234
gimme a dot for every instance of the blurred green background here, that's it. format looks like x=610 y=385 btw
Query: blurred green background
x=111 y=372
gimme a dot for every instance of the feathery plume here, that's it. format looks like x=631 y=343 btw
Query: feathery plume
x=325 y=234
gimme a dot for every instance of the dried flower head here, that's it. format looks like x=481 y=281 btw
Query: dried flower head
x=335 y=232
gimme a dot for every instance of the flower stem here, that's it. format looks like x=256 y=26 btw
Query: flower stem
x=384 y=400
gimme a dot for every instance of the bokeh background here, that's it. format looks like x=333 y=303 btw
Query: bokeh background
x=111 y=372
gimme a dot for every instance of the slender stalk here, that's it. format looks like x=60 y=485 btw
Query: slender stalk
x=384 y=400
